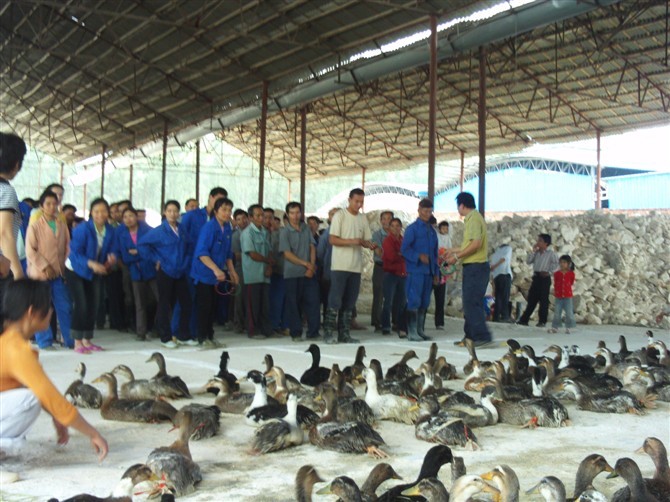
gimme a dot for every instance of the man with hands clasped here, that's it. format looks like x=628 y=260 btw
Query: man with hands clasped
x=298 y=248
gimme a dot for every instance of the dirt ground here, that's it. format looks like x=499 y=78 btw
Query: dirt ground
x=230 y=473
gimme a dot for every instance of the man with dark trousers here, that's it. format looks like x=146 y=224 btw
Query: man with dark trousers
x=476 y=270
x=419 y=248
x=545 y=263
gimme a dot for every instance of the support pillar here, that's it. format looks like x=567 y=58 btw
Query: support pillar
x=62 y=167
x=303 y=154
x=432 y=114
x=197 y=171
x=102 y=178
x=164 y=172
x=261 y=160
x=481 y=120
x=598 y=172
x=462 y=179
x=288 y=193
x=363 y=180
x=83 y=211
x=130 y=185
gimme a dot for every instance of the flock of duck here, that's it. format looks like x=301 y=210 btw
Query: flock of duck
x=323 y=408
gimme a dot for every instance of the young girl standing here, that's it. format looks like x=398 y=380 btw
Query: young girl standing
x=564 y=278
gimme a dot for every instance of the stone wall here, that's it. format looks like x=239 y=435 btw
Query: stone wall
x=622 y=262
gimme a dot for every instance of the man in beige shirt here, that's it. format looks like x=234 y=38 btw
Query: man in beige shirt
x=349 y=234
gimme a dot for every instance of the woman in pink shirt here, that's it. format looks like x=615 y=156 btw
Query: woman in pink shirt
x=47 y=247
x=564 y=278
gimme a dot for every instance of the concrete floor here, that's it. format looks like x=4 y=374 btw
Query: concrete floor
x=230 y=473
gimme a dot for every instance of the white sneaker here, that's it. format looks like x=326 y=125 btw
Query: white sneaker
x=7 y=477
x=190 y=343
x=169 y=345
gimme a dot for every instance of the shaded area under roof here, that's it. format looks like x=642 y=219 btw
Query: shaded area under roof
x=79 y=74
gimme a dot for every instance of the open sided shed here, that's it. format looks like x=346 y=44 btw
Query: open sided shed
x=82 y=79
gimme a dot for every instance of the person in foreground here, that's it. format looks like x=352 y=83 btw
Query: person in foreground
x=24 y=386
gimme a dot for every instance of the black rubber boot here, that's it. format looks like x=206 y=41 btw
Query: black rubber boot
x=344 y=336
x=421 y=324
x=329 y=326
x=412 y=334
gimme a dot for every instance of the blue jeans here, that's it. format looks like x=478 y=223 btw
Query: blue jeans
x=63 y=306
x=418 y=288
x=563 y=305
x=475 y=280
x=344 y=289
x=394 y=298
x=277 y=296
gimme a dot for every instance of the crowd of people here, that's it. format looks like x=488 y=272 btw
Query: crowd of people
x=245 y=268
x=251 y=271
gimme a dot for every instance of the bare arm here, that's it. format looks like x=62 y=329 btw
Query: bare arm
x=8 y=243
x=336 y=240
x=80 y=424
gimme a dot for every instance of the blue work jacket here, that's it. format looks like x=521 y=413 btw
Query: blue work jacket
x=84 y=247
x=192 y=223
x=163 y=245
x=141 y=267
x=420 y=238
x=216 y=242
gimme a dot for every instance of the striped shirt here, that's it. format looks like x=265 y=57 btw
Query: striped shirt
x=543 y=262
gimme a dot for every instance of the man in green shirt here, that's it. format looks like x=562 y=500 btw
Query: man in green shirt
x=476 y=270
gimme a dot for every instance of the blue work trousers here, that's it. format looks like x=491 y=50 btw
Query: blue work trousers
x=418 y=288
x=475 y=280
x=301 y=300
x=60 y=298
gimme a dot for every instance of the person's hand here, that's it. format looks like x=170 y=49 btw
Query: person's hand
x=370 y=245
x=5 y=266
x=132 y=252
x=311 y=267
x=62 y=433
x=423 y=258
x=50 y=272
x=268 y=271
x=270 y=261
x=99 y=445
x=451 y=259
x=220 y=276
x=234 y=278
x=98 y=268
x=158 y=266
x=309 y=273
x=436 y=280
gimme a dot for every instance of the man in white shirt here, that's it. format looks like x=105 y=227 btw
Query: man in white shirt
x=501 y=269
x=349 y=234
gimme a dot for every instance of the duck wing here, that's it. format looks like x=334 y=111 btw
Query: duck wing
x=84 y=395
x=315 y=376
x=347 y=437
x=273 y=435
x=355 y=410
x=207 y=420
x=179 y=471
x=446 y=431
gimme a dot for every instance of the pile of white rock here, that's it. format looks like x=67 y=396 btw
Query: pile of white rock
x=622 y=262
